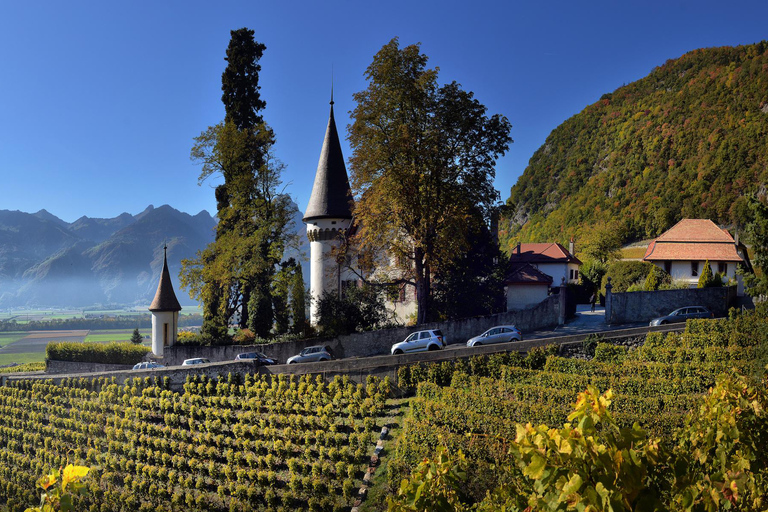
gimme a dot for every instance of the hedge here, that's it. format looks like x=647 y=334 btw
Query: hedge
x=107 y=353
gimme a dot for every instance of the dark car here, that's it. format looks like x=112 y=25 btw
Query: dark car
x=257 y=357
x=683 y=314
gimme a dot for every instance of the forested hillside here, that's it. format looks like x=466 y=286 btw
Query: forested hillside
x=687 y=141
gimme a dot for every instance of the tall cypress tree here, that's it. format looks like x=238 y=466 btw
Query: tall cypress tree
x=240 y=80
x=234 y=274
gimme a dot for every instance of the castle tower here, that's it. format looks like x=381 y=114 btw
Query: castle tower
x=165 y=311
x=328 y=215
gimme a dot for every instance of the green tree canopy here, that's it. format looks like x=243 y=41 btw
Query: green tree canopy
x=423 y=161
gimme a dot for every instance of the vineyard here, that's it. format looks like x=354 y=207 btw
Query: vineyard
x=226 y=444
x=469 y=408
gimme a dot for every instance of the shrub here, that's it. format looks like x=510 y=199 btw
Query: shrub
x=608 y=353
x=589 y=344
x=706 y=279
x=624 y=274
x=109 y=353
x=244 y=337
x=656 y=278
x=361 y=309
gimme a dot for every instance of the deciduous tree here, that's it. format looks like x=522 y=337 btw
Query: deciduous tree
x=423 y=161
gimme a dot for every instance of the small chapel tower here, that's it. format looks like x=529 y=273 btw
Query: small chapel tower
x=328 y=215
x=165 y=311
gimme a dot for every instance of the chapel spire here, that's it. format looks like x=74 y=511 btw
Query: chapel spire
x=165 y=297
x=331 y=195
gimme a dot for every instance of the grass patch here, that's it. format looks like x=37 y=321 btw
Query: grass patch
x=632 y=252
x=6 y=338
x=22 y=358
x=376 y=500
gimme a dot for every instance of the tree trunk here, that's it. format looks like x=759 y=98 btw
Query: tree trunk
x=422 y=287
x=244 y=307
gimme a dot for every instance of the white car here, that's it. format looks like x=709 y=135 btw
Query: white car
x=420 y=341
x=195 y=360
x=498 y=334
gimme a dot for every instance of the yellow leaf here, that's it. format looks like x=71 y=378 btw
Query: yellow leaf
x=73 y=473
x=46 y=481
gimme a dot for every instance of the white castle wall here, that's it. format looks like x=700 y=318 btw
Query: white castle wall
x=324 y=271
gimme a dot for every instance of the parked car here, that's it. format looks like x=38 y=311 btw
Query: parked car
x=498 y=334
x=420 y=341
x=147 y=365
x=311 y=355
x=256 y=357
x=195 y=360
x=683 y=314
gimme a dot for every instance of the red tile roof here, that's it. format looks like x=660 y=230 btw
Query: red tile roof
x=527 y=274
x=541 y=253
x=693 y=240
x=695 y=230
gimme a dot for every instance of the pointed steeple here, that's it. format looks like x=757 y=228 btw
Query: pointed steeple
x=331 y=195
x=165 y=298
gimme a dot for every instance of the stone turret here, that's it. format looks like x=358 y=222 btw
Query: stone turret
x=328 y=215
x=165 y=311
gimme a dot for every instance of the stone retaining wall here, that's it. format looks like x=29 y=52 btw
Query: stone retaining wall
x=79 y=367
x=357 y=369
x=644 y=306
x=366 y=344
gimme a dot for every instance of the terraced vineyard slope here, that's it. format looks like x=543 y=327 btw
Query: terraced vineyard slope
x=477 y=407
x=224 y=445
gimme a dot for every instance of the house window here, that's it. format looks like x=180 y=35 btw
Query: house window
x=694 y=269
x=400 y=297
x=668 y=267
x=571 y=274
x=576 y=274
x=722 y=267
x=165 y=334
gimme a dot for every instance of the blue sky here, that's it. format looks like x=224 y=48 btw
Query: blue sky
x=100 y=101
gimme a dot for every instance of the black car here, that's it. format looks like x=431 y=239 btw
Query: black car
x=683 y=314
x=256 y=357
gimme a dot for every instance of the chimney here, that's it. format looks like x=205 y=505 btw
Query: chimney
x=570 y=246
x=517 y=249
x=736 y=238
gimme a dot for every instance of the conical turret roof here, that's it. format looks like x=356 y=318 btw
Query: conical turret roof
x=165 y=298
x=331 y=195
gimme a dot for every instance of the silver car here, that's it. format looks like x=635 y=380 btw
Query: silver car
x=147 y=365
x=195 y=360
x=420 y=341
x=312 y=354
x=683 y=314
x=498 y=334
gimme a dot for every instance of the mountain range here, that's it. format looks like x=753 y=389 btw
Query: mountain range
x=690 y=140
x=47 y=262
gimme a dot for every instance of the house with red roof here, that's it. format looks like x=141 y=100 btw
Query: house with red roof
x=525 y=286
x=534 y=268
x=550 y=258
x=683 y=249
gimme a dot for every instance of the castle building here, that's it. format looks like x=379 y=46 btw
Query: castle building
x=328 y=218
x=165 y=311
